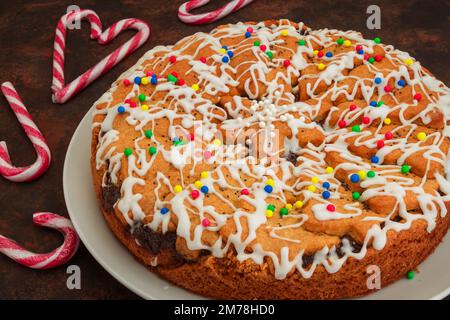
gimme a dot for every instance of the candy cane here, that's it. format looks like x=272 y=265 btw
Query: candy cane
x=203 y=18
x=61 y=92
x=32 y=172
x=53 y=259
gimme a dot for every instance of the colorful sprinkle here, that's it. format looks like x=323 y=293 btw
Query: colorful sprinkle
x=178 y=188
x=378 y=80
x=356 y=128
x=152 y=150
x=409 y=62
x=405 y=169
x=256 y=43
x=128 y=152
x=329 y=54
x=245 y=192
x=362 y=174
x=410 y=275
x=286 y=63
x=298 y=204
x=144 y=107
x=271 y=207
x=269 y=213
x=388 y=135
x=314 y=179
x=154 y=80
x=126 y=82
x=202 y=59
x=421 y=136
x=326 y=185
x=137 y=80
x=288 y=206
x=378 y=57
x=145 y=81
x=371 y=174
x=284 y=211
x=207 y=155
x=269 y=54
x=121 y=109
x=331 y=208
x=326 y=195
x=164 y=210
x=301 y=42
x=195 y=87
x=206 y=223
x=418 y=97
x=356 y=195
x=342 y=124
x=373 y=103
x=401 y=83
x=198 y=184
x=374 y=159
x=329 y=170
x=312 y=188
x=142 y=97
x=217 y=142
x=377 y=40
x=353 y=107
x=340 y=41
x=225 y=59
x=380 y=144
x=354 y=178
x=268 y=189
x=172 y=59
x=387 y=121
x=248 y=34
x=347 y=43
x=204 y=189
x=195 y=194
x=148 y=133
x=263 y=47
x=387 y=88
x=284 y=32
x=204 y=174
x=172 y=78
x=366 y=120
x=270 y=182
x=230 y=54
x=320 y=66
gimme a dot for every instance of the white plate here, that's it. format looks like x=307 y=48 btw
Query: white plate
x=433 y=281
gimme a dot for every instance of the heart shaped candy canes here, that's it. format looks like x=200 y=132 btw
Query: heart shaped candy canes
x=186 y=17
x=62 y=92
x=53 y=259
x=40 y=166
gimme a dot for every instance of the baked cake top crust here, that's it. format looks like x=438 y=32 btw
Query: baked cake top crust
x=273 y=142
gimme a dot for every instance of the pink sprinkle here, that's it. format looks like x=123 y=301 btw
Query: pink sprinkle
x=250 y=29
x=207 y=155
x=342 y=124
x=191 y=137
x=206 y=222
x=195 y=194
x=388 y=135
x=245 y=192
x=366 y=56
x=352 y=107
x=331 y=208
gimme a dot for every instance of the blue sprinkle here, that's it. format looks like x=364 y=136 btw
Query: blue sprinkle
x=154 y=80
x=375 y=159
x=225 y=47
x=268 y=189
x=326 y=194
x=329 y=54
x=401 y=83
x=360 y=51
x=378 y=80
x=164 y=210
x=137 y=80
x=121 y=109
x=225 y=59
x=354 y=178
x=326 y=185
x=373 y=103
x=176 y=139
x=248 y=34
x=230 y=54
x=204 y=189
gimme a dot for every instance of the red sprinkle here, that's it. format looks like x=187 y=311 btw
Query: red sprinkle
x=331 y=208
x=245 y=192
x=358 y=47
x=352 y=107
x=263 y=47
x=203 y=59
x=388 y=88
x=206 y=222
x=342 y=124
x=417 y=96
x=380 y=144
x=149 y=73
x=366 y=120
x=191 y=137
x=388 y=135
x=320 y=54
x=172 y=59
x=250 y=29
x=174 y=74
x=180 y=82
x=378 y=57
x=195 y=194
x=287 y=63
x=366 y=56
x=126 y=82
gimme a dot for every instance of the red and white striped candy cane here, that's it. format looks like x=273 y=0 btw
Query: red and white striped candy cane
x=61 y=92
x=204 y=18
x=53 y=259
x=32 y=172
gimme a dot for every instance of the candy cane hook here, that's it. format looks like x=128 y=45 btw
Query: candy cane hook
x=34 y=171
x=53 y=259
x=186 y=17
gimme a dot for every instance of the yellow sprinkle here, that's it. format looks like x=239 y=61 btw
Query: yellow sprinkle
x=223 y=50
x=421 y=136
x=269 y=213
x=320 y=66
x=145 y=80
x=362 y=174
x=387 y=121
x=284 y=32
x=298 y=204
x=329 y=170
x=316 y=52
x=198 y=184
x=314 y=179
x=204 y=174
x=217 y=142
x=177 y=188
x=144 y=107
x=288 y=206
x=347 y=43
x=270 y=182
x=195 y=87
x=408 y=62
x=312 y=188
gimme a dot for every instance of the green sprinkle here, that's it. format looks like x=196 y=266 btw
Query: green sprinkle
x=284 y=211
x=356 y=195
x=256 y=43
x=356 y=128
x=128 y=152
x=152 y=150
x=380 y=103
x=371 y=174
x=340 y=41
x=271 y=207
x=371 y=60
x=301 y=42
x=172 y=78
x=142 y=97
x=149 y=133
x=405 y=169
x=410 y=275
x=269 y=54
x=377 y=40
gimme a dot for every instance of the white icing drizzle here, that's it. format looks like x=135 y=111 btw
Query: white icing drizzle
x=273 y=104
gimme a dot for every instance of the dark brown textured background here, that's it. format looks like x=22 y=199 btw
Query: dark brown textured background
x=26 y=41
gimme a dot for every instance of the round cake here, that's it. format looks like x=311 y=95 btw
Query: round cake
x=272 y=161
